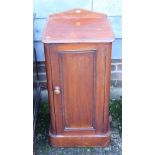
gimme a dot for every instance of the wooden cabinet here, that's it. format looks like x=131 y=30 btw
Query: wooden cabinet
x=77 y=47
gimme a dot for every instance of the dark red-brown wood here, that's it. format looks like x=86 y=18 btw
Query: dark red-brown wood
x=78 y=25
x=77 y=47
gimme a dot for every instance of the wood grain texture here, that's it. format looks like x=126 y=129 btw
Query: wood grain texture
x=78 y=25
x=77 y=96
x=78 y=76
x=80 y=141
x=39 y=25
x=50 y=87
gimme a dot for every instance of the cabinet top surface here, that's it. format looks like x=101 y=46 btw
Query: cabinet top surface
x=77 y=25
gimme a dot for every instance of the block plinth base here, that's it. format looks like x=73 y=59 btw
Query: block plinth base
x=97 y=140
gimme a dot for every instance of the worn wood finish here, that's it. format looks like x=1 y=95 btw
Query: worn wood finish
x=78 y=26
x=80 y=140
x=78 y=75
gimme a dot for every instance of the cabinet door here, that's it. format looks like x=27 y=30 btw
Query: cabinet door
x=79 y=87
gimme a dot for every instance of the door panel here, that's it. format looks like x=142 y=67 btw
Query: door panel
x=77 y=72
x=79 y=106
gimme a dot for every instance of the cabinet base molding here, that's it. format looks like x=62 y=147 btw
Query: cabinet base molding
x=97 y=140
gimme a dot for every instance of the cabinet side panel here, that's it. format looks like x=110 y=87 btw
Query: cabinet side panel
x=100 y=91
x=107 y=86
x=49 y=85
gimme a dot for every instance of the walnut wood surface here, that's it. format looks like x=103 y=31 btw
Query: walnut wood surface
x=81 y=71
